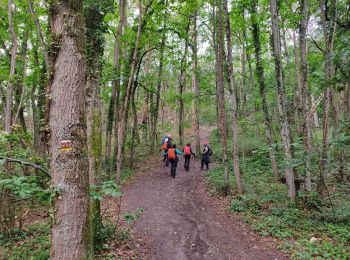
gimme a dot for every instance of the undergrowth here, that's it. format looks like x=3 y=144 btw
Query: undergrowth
x=309 y=228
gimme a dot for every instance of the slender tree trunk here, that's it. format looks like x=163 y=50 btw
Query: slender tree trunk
x=94 y=17
x=125 y=108
x=328 y=22
x=297 y=96
x=262 y=88
x=314 y=113
x=42 y=142
x=282 y=101
x=182 y=86
x=195 y=86
x=71 y=236
x=20 y=90
x=7 y=210
x=221 y=89
x=305 y=93
x=94 y=139
x=242 y=89
x=134 y=126
x=155 y=109
x=113 y=110
x=39 y=33
x=234 y=101
x=9 y=93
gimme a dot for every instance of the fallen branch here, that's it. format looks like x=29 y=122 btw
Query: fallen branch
x=26 y=164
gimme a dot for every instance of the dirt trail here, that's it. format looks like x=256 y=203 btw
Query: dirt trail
x=181 y=221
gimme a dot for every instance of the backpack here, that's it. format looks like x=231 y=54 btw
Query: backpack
x=210 y=151
x=171 y=153
x=187 y=150
x=165 y=146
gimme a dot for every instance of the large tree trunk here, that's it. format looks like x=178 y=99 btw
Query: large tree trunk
x=71 y=236
x=221 y=88
x=7 y=210
x=113 y=110
x=305 y=92
x=195 y=85
x=234 y=101
x=128 y=92
x=262 y=88
x=282 y=101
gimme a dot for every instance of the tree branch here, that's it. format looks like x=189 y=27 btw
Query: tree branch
x=317 y=45
x=26 y=164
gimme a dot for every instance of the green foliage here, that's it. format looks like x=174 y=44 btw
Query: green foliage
x=131 y=218
x=107 y=188
x=33 y=243
x=267 y=209
x=27 y=187
x=105 y=234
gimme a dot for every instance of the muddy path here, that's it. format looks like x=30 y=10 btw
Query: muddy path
x=181 y=221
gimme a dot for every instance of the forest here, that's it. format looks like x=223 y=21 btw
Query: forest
x=88 y=90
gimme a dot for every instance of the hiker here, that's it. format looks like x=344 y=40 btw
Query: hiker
x=187 y=154
x=173 y=158
x=207 y=152
x=166 y=143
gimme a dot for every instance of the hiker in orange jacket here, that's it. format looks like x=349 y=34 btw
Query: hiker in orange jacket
x=173 y=158
x=187 y=154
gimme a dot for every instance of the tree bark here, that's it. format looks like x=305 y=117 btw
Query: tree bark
x=125 y=108
x=305 y=93
x=282 y=100
x=195 y=84
x=71 y=236
x=262 y=88
x=234 y=100
x=221 y=89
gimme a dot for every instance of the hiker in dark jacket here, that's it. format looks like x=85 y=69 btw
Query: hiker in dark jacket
x=187 y=154
x=207 y=152
x=173 y=158
x=166 y=144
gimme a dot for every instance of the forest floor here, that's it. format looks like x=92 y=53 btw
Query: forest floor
x=181 y=220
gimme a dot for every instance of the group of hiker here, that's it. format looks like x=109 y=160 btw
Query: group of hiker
x=171 y=154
